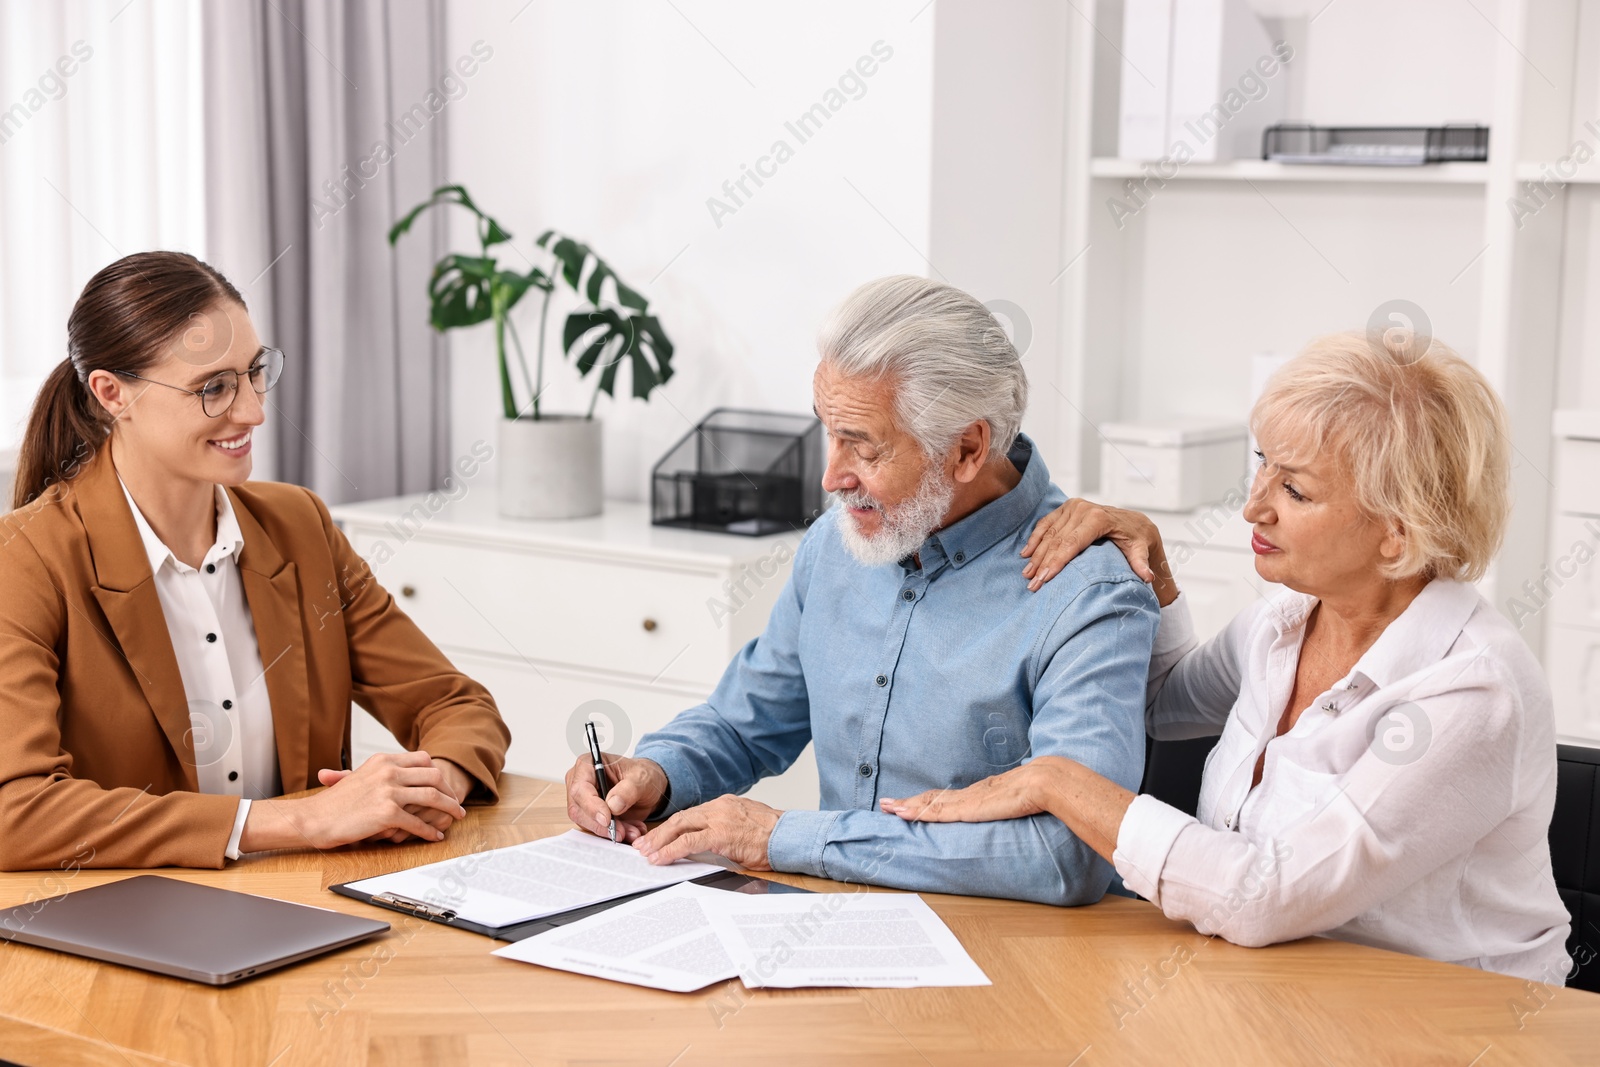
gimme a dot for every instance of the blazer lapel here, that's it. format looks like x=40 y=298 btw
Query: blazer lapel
x=126 y=593
x=272 y=588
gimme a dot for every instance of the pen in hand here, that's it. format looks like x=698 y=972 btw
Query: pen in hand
x=602 y=783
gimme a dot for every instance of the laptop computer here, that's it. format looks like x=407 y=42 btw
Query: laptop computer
x=209 y=935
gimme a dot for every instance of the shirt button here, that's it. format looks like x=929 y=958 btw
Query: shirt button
x=908 y=595
x=881 y=679
x=211 y=568
x=866 y=770
x=1227 y=821
x=961 y=557
x=211 y=638
x=233 y=776
x=227 y=705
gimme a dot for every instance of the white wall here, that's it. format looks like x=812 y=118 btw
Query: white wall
x=616 y=123
x=999 y=129
x=1430 y=64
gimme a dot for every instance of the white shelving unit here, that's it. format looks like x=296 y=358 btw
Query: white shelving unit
x=1261 y=170
x=1164 y=305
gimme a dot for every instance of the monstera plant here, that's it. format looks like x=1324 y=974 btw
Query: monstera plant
x=549 y=465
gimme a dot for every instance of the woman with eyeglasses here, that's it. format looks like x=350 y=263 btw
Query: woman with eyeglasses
x=178 y=646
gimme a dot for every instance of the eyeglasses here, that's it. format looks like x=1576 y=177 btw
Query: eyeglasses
x=218 y=393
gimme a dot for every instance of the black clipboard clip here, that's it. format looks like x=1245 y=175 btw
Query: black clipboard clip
x=415 y=907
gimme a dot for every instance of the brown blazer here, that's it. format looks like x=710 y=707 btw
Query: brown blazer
x=97 y=764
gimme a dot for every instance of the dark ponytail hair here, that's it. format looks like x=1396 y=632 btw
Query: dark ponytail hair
x=123 y=320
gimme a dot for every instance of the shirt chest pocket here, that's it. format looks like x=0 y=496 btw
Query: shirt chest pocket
x=1291 y=795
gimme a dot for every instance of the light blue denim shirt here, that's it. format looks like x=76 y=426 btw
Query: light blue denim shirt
x=913 y=678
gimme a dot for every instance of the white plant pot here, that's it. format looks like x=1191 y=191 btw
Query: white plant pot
x=550 y=468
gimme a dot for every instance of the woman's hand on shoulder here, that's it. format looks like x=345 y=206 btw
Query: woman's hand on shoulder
x=1060 y=536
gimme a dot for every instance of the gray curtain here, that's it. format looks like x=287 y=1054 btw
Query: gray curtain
x=323 y=124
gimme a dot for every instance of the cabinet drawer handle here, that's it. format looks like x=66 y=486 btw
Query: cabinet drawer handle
x=408 y=590
x=649 y=625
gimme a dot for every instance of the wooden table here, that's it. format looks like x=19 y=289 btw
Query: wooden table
x=1108 y=984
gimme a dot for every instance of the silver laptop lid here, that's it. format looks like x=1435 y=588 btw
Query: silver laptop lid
x=189 y=931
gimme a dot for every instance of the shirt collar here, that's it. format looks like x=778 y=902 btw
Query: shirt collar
x=1419 y=637
x=964 y=540
x=1423 y=633
x=229 y=537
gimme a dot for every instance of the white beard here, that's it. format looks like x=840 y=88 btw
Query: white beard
x=904 y=527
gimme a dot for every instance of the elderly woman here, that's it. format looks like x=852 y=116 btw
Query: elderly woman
x=1386 y=768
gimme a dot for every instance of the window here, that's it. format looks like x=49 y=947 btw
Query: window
x=100 y=156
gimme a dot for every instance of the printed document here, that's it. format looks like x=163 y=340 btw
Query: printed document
x=880 y=940
x=506 y=886
x=663 y=941
x=690 y=936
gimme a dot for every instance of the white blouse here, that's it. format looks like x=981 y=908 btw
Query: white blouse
x=1408 y=808
x=214 y=638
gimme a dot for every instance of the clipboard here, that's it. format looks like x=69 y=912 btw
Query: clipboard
x=731 y=881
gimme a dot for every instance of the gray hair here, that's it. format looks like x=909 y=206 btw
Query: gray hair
x=951 y=361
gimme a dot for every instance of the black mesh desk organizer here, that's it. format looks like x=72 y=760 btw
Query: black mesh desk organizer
x=741 y=472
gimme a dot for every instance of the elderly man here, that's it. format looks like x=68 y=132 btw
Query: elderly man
x=907 y=645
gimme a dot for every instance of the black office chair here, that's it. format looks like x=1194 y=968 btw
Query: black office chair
x=1172 y=774
x=1172 y=770
x=1575 y=855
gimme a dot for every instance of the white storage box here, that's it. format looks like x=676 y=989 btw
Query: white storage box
x=1175 y=465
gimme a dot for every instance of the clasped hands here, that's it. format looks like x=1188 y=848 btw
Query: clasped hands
x=731 y=826
x=390 y=797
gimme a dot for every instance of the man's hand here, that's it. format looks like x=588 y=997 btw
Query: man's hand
x=637 y=788
x=735 y=827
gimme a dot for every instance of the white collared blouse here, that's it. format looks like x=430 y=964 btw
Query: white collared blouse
x=214 y=639
x=1407 y=809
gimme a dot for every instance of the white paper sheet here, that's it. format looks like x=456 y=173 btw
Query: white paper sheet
x=663 y=941
x=512 y=885
x=880 y=940
x=687 y=937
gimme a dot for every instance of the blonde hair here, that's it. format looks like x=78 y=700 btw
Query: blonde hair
x=1423 y=437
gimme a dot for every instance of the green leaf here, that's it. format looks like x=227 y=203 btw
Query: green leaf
x=661 y=348
x=608 y=376
x=607 y=338
x=591 y=355
x=496 y=235
x=571 y=254
x=460 y=291
x=581 y=322
x=513 y=284
x=628 y=297
x=490 y=234
x=625 y=296
x=574 y=257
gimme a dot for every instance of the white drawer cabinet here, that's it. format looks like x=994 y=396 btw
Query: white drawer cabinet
x=551 y=616
x=527 y=601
